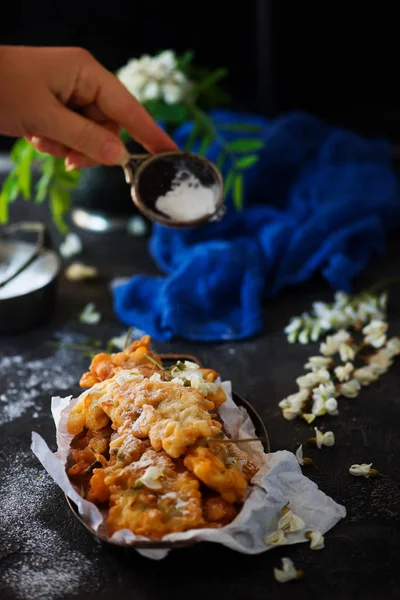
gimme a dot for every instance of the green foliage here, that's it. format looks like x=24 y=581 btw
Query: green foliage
x=54 y=182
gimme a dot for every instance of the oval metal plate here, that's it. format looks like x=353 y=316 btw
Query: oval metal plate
x=261 y=432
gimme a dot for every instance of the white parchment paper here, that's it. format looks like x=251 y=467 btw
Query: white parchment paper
x=279 y=481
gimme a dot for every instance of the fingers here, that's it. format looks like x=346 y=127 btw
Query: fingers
x=114 y=100
x=75 y=160
x=47 y=146
x=83 y=135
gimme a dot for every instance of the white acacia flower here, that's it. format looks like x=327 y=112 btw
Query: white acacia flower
x=381 y=361
x=288 y=571
x=333 y=342
x=350 y=389
x=324 y=400
x=299 y=455
x=375 y=333
x=155 y=78
x=393 y=347
x=71 y=245
x=309 y=417
x=291 y=522
x=293 y=405
x=346 y=352
x=89 y=315
x=365 y=375
x=303 y=337
x=277 y=538
x=119 y=341
x=324 y=439
x=343 y=372
x=78 y=272
x=314 y=378
x=293 y=326
x=363 y=470
x=317 y=540
x=151 y=478
x=155 y=378
x=315 y=363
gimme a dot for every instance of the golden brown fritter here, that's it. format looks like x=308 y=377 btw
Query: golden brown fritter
x=228 y=481
x=174 y=507
x=104 y=366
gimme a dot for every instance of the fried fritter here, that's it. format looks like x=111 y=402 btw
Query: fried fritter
x=104 y=366
x=174 y=507
x=228 y=481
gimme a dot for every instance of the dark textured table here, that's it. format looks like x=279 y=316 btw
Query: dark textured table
x=44 y=552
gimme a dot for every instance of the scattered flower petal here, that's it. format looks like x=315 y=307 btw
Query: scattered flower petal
x=300 y=458
x=318 y=362
x=363 y=470
x=78 y=271
x=381 y=361
x=277 y=538
x=346 y=352
x=317 y=540
x=71 y=245
x=151 y=478
x=324 y=439
x=343 y=372
x=291 y=522
x=89 y=315
x=393 y=347
x=314 y=378
x=309 y=417
x=375 y=333
x=333 y=342
x=365 y=375
x=350 y=389
x=288 y=571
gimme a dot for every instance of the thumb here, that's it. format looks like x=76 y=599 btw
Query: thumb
x=85 y=137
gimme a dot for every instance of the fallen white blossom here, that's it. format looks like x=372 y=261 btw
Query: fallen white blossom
x=78 y=271
x=343 y=372
x=277 y=538
x=317 y=540
x=375 y=333
x=350 y=389
x=324 y=439
x=71 y=245
x=288 y=571
x=89 y=315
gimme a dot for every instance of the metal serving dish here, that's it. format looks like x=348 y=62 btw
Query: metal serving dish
x=28 y=277
x=101 y=536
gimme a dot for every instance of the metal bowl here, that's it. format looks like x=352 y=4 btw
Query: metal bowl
x=29 y=279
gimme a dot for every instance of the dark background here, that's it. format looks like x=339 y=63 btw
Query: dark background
x=335 y=59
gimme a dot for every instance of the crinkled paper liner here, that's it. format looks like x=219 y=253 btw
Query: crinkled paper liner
x=278 y=481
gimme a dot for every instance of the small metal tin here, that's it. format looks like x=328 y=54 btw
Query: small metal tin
x=101 y=535
x=151 y=176
x=28 y=278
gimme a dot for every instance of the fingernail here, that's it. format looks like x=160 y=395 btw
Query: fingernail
x=70 y=166
x=114 y=152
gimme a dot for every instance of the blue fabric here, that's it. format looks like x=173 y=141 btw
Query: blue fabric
x=320 y=199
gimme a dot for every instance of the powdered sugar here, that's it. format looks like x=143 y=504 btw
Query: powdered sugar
x=188 y=199
x=38 y=561
x=24 y=382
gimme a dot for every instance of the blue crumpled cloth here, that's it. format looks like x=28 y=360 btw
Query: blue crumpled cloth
x=321 y=199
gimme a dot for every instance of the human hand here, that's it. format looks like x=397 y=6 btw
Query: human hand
x=68 y=105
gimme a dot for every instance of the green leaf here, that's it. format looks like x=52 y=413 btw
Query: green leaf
x=238 y=192
x=240 y=127
x=210 y=80
x=42 y=187
x=59 y=206
x=168 y=113
x=18 y=148
x=245 y=145
x=245 y=162
x=124 y=136
x=205 y=143
x=228 y=182
x=25 y=172
x=185 y=60
x=191 y=139
x=221 y=161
